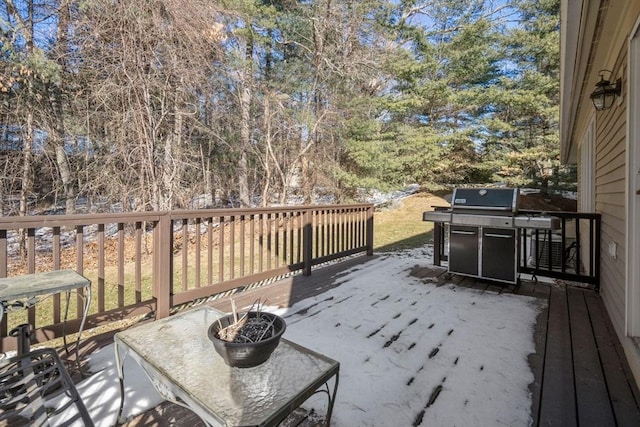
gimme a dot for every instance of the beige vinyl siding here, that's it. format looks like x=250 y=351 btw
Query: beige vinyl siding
x=610 y=185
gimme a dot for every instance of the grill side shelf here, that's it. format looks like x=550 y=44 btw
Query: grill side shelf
x=436 y=216
x=541 y=222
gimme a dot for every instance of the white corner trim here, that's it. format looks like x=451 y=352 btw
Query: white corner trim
x=632 y=173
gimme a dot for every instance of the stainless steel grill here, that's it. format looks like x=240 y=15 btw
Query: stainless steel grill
x=482 y=231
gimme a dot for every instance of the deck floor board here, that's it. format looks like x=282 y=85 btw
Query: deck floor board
x=573 y=334
x=557 y=399
x=616 y=377
x=592 y=398
x=540 y=341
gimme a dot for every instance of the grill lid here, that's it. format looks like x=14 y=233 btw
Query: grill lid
x=495 y=199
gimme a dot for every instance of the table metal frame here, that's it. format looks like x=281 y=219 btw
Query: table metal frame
x=21 y=292
x=142 y=343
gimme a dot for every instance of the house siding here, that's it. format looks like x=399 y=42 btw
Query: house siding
x=602 y=43
x=610 y=199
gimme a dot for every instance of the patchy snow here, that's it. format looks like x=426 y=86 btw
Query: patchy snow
x=411 y=352
x=379 y=198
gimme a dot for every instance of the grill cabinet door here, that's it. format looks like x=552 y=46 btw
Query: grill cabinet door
x=463 y=249
x=499 y=254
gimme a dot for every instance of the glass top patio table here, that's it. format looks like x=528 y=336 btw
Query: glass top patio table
x=26 y=290
x=179 y=359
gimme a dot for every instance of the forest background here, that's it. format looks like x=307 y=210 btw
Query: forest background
x=151 y=104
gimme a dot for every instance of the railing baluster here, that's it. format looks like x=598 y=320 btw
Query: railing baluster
x=591 y=245
x=210 y=251
x=121 y=247
x=31 y=263
x=276 y=243
x=80 y=268
x=232 y=247
x=252 y=244
x=578 y=247
x=307 y=240
x=261 y=243
x=292 y=220
x=198 y=255
x=269 y=241
x=596 y=243
x=221 y=224
x=185 y=253
x=563 y=244
x=285 y=238
x=288 y=239
x=138 y=265
x=101 y=266
x=334 y=240
x=55 y=241
x=3 y=273
x=343 y=229
x=3 y=253
x=316 y=218
x=299 y=237
x=322 y=233
x=242 y=244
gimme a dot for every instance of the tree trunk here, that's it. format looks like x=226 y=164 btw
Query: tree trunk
x=266 y=179
x=62 y=161
x=245 y=127
x=27 y=160
x=170 y=172
x=66 y=177
x=245 y=141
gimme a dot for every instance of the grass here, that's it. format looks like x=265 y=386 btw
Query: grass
x=401 y=227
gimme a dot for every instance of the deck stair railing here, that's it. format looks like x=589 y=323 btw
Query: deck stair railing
x=150 y=262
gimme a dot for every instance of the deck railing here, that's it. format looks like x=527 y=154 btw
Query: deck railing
x=570 y=253
x=151 y=262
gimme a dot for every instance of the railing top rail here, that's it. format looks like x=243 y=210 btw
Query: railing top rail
x=563 y=214
x=36 y=221
x=201 y=213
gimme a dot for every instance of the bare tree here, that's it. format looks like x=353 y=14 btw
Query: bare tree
x=145 y=64
x=58 y=110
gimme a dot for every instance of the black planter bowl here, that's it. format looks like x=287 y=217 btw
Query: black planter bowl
x=246 y=355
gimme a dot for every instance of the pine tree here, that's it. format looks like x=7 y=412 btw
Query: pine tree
x=523 y=143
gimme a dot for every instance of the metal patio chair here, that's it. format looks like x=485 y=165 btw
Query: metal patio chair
x=29 y=380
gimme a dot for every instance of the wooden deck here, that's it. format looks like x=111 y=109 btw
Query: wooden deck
x=581 y=376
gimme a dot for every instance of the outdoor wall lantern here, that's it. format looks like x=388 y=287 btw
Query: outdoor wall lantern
x=605 y=92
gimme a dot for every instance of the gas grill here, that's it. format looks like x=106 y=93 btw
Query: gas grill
x=482 y=231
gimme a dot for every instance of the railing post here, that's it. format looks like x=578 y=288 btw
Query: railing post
x=81 y=301
x=163 y=265
x=307 y=242
x=370 y=230
x=596 y=273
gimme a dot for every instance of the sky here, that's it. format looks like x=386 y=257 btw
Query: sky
x=411 y=352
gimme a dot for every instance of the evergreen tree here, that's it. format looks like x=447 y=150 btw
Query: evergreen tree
x=523 y=132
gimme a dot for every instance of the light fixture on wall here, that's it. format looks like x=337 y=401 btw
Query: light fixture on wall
x=605 y=92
